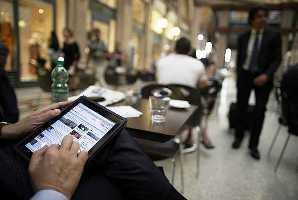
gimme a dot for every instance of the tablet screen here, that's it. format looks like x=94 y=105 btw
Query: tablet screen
x=85 y=125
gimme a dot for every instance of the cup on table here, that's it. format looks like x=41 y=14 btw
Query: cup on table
x=159 y=105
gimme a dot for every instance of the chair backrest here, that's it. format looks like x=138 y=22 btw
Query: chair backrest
x=181 y=92
x=110 y=76
x=187 y=93
x=131 y=78
x=147 y=90
x=289 y=98
x=147 y=76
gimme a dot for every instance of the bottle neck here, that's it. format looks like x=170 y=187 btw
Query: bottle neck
x=59 y=65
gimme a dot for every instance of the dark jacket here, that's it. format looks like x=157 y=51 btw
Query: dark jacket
x=9 y=111
x=269 y=57
x=3 y=58
x=289 y=88
x=71 y=54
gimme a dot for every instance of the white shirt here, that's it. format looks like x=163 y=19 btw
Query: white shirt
x=180 y=69
x=250 y=47
x=48 y=194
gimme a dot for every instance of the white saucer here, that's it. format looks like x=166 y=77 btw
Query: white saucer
x=179 y=104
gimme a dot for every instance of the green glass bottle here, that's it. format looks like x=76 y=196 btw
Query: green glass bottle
x=59 y=85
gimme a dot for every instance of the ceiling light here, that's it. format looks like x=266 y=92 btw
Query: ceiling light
x=162 y=23
x=200 y=37
x=22 y=23
x=40 y=11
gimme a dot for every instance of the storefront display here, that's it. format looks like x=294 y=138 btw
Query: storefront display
x=6 y=31
x=35 y=25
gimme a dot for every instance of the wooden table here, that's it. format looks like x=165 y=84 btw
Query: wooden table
x=143 y=127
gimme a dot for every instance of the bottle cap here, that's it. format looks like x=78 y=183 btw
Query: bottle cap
x=61 y=59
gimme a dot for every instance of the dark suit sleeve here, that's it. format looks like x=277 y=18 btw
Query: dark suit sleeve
x=276 y=52
x=239 y=53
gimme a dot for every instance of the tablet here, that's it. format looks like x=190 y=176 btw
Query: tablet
x=90 y=124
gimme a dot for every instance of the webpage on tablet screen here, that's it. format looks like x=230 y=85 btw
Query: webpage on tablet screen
x=85 y=125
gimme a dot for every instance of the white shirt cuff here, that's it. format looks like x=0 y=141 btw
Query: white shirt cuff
x=48 y=194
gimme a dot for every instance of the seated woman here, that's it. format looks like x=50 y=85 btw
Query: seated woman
x=180 y=68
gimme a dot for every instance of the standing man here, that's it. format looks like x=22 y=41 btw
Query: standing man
x=259 y=55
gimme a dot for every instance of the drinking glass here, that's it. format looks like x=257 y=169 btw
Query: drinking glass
x=158 y=107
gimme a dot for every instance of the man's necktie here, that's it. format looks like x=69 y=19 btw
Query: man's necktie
x=253 y=64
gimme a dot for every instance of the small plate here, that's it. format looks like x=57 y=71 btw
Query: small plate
x=179 y=104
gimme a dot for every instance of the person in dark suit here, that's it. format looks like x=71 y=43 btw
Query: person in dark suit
x=120 y=171
x=259 y=56
x=8 y=101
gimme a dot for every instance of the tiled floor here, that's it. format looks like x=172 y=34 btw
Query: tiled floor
x=227 y=174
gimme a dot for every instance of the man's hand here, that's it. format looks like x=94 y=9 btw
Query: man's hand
x=57 y=168
x=261 y=80
x=32 y=122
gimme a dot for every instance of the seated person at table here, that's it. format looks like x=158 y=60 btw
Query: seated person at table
x=180 y=68
x=120 y=171
x=8 y=101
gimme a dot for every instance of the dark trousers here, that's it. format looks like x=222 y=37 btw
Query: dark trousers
x=120 y=171
x=245 y=84
x=8 y=101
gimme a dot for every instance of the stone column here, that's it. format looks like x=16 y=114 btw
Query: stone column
x=124 y=23
x=287 y=18
x=78 y=21
x=193 y=21
x=194 y=26
x=221 y=43
x=148 y=37
x=61 y=19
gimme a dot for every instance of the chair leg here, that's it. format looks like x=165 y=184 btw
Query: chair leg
x=282 y=152
x=181 y=167
x=173 y=170
x=274 y=140
x=198 y=152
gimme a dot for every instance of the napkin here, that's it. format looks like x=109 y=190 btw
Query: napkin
x=125 y=111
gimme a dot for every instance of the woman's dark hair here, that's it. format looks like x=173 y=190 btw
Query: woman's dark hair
x=69 y=31
x=253 y=11
x=183 y=46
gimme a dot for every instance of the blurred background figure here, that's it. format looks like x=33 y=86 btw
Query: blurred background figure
x=54 y=49
x=36 y=61
x=98 y=54
x=118 y=58
x=9 y=111
x=71 y=51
